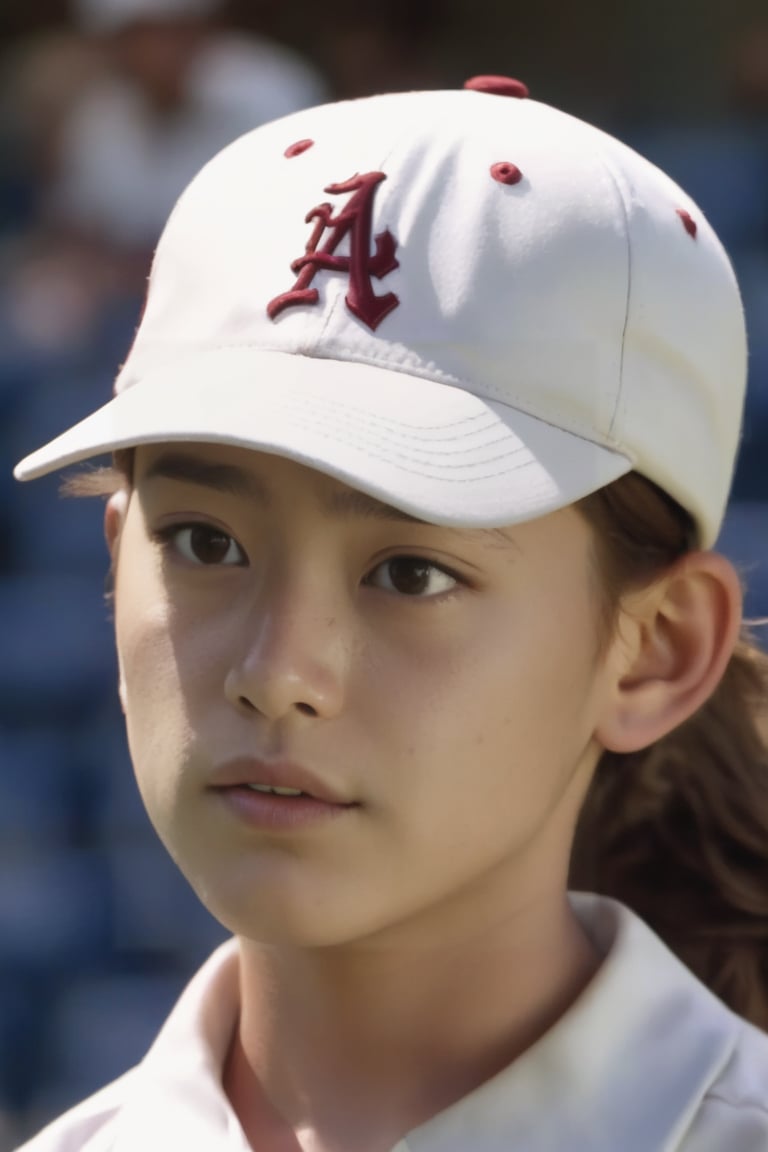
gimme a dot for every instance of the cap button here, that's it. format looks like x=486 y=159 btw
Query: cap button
x=498 y=86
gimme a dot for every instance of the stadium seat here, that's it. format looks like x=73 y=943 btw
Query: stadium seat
x=58 y=647
x=744 y=539
x=54 y=910
x=38 y=788
x=98 y=1029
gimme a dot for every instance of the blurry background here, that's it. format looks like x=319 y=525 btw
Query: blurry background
x=107 y=108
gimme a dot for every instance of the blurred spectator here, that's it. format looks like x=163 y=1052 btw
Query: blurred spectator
x=54 y=284
x=40 y=82
x=101 y=131
x=175 y=90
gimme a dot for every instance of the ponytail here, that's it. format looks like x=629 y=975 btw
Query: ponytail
x=679 y=831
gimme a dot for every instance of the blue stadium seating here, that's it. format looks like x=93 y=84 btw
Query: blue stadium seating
x=38 y=788
x=97 y=1030
x=54 y=909
x=58 y=651
x=744 y=539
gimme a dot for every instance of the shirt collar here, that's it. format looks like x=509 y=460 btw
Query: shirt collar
x=175 y=1098
x=626 y=1067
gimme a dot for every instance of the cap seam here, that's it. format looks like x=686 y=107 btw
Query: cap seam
x=613 y=177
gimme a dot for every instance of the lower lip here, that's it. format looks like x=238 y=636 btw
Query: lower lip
x=269 y=811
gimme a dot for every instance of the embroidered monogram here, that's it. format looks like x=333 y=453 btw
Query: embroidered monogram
x=356 y=220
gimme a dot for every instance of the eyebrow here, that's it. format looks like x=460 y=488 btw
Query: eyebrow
x=233 y=481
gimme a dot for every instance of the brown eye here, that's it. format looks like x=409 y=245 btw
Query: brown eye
x=411 y=576
x=202 y=544
x=408 y=576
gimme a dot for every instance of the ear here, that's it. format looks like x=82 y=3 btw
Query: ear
x=672 y=645
x=114 y=519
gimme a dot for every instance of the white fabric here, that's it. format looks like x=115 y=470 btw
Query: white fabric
x=646 y=1060
x=574 y=308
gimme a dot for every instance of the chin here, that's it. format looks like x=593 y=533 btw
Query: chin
x=272 y=908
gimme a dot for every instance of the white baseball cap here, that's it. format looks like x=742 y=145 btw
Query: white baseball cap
x=467 y=304
x=106 y=16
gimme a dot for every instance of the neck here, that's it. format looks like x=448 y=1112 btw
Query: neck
x=353 y=1046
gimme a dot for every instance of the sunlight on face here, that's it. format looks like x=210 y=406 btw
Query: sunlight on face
x=445 y=681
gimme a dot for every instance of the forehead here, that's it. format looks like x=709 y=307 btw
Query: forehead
x=255 y=476
x=267 y=480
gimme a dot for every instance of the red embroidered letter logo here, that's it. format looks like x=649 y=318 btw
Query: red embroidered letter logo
x=355 y=218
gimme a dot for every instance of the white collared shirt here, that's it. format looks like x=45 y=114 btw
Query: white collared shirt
x=645 y=1060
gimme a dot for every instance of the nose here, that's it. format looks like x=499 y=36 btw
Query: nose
x=294 y=661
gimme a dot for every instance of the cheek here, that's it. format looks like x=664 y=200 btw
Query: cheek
x=155 y=723
x=517 y=675
x=165 y=651
x=153 y=668
x=502 y=710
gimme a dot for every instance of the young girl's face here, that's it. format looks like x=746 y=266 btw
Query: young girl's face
x=444 y=684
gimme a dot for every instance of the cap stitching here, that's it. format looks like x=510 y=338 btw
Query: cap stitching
x=417 y=443
x=577 y=428
x=422 y=468
x=397 y=429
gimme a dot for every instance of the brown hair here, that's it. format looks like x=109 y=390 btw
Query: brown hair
x=679 y=830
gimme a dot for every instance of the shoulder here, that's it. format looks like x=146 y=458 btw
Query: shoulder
x=89 y=1126
x=745 y=1077
x=734 y=1112
x=672 y=1063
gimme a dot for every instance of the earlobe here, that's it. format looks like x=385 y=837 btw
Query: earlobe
x=669 y=660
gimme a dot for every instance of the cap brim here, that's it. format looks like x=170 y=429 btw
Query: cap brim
x=433 y=450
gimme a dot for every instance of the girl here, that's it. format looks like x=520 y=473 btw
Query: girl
x=420 y=455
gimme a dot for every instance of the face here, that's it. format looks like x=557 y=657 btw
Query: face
x=441 y=685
